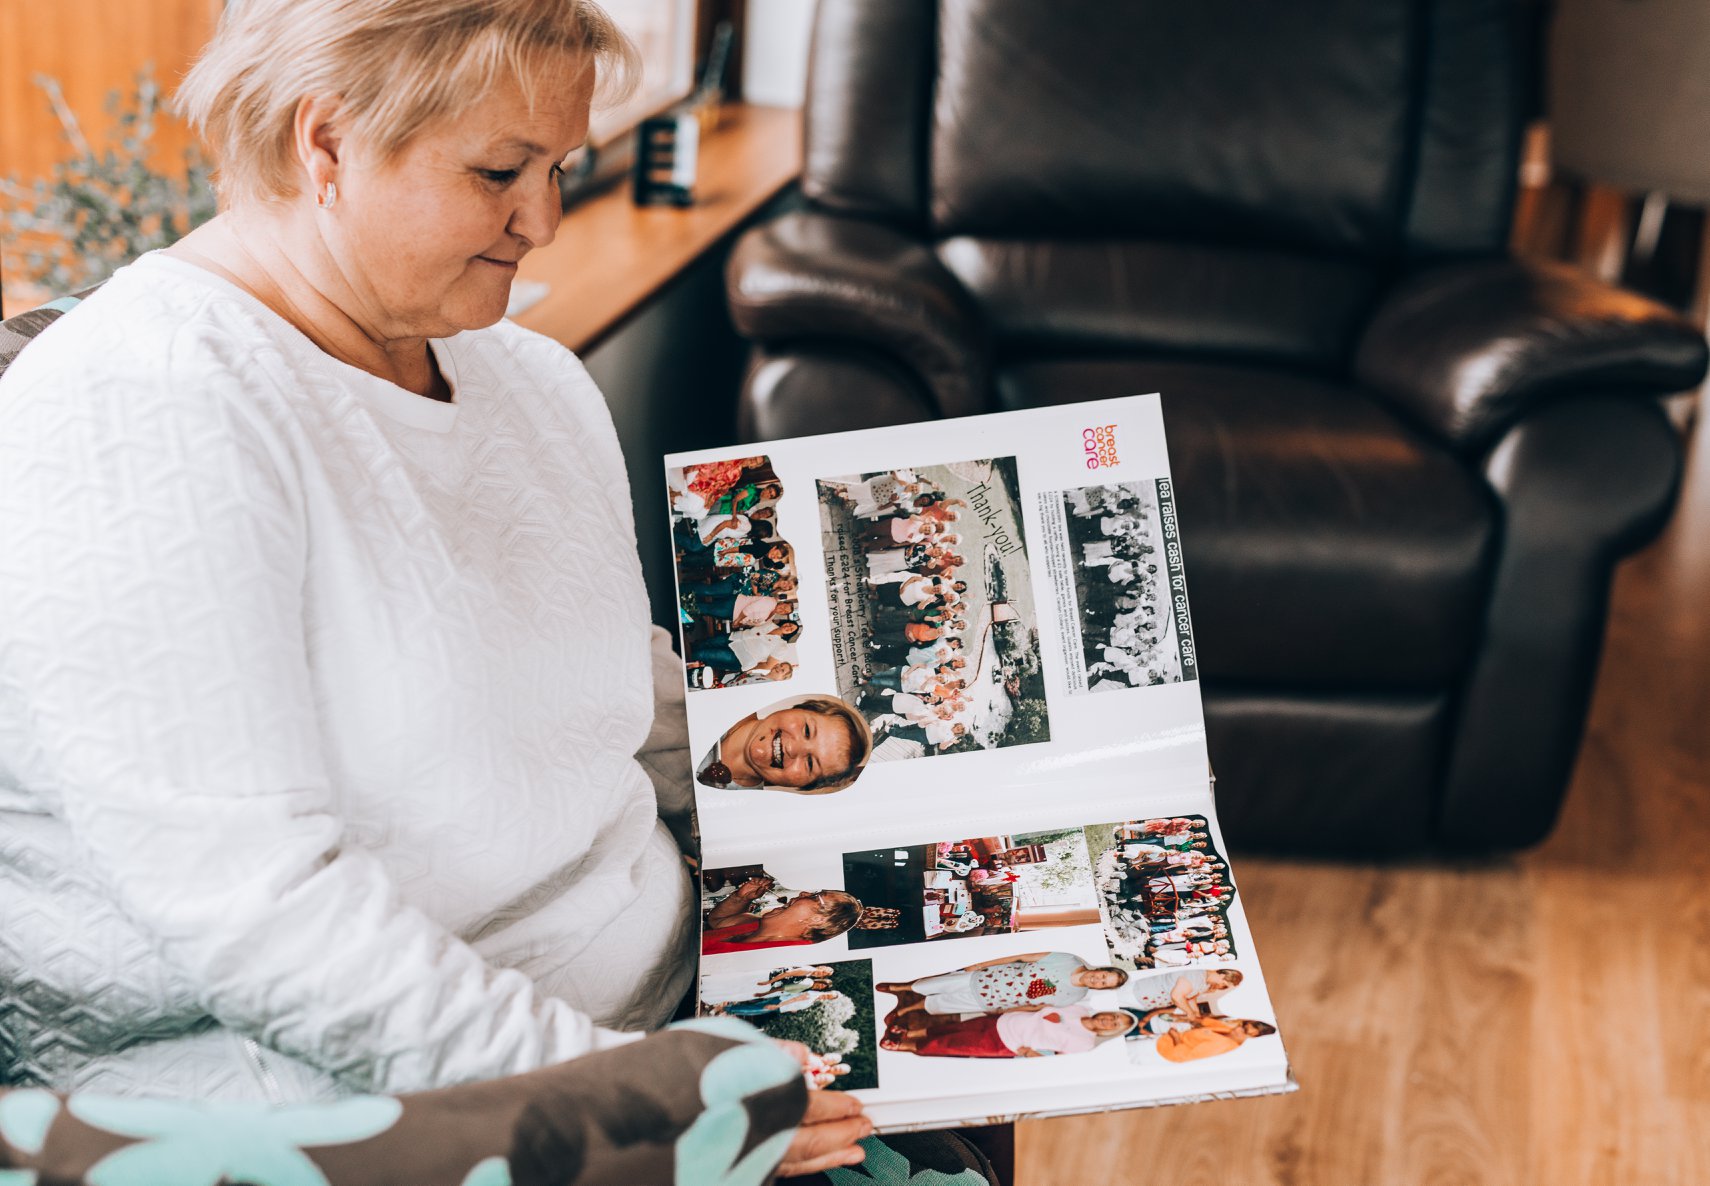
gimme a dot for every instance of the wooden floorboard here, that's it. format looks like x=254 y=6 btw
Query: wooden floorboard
x=1537 y=1019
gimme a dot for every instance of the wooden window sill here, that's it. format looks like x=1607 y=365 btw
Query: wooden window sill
x=611 y=256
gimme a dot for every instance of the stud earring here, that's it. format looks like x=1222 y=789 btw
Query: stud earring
x=325 y=199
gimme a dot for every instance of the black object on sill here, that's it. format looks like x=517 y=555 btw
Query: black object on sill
x=667 y=156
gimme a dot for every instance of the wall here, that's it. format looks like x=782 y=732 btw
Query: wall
x=91 y=47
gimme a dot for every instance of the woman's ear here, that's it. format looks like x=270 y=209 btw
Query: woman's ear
x=317 y=136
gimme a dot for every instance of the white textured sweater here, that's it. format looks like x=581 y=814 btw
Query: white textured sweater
x=319 y=707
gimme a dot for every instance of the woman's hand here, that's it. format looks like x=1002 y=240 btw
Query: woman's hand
x=753 y=888
x=829 y=1130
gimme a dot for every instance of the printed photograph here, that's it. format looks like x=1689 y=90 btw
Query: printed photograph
x=985 y=885
x=826 y=1007
x=1180 y=1016
x=744 y=908
x=1164 y=892
x=1045 y=1003
x=736 y=578
x=934 y=633
x=806 y=745
x=1128 y=625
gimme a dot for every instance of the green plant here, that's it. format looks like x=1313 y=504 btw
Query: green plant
x=97 y=211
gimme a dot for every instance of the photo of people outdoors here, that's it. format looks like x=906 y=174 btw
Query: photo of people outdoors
x=1130 y=601
x=826 y=1007
x=807 y=745
x=934 y=632
x=745 y=909
x=1164 y=891
x=1180 y=1015
x=736 y=577
x=1025 y=1006
x=985 y=885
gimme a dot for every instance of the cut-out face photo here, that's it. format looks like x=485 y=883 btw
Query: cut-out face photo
x=808 y=745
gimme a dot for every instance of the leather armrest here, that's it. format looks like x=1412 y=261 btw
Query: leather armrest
x=1468 y=349
x=818 y=277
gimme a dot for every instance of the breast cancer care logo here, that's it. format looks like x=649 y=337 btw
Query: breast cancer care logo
x=1098 y=442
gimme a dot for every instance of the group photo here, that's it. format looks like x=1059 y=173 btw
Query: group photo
x=826 y=1007
x=983 y=885
x=1125 y=608
x=1182 y=1016
x=934 y=632
x=805 y=745
x=1038 y=1005
x=1164 y=891
x=736 y=576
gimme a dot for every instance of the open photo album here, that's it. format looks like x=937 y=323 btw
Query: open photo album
x=957 y=824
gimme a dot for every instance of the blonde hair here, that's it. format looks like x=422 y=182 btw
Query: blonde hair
x=396 y=65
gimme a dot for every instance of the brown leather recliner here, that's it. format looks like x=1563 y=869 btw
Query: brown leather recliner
x=1406 y=463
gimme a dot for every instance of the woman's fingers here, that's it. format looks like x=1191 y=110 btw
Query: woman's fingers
x=831 y=1107
x=828 y=1134
x=843 y=1157
x=831 y=1126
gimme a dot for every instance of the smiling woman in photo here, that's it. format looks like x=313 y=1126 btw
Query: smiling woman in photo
x=808 y=917
x=810 y=746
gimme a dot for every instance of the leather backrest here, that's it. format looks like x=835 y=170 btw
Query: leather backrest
x=869 y=95
x=1088 y=296
x=1373 y=128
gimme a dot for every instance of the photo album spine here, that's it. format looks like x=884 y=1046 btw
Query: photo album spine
x=949 y=753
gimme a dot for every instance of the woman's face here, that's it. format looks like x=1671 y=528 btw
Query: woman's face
x=1109 y=1023
x=429 y=241
x=802 y=914
x=790 y=748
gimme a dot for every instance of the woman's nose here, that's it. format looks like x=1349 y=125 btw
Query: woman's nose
x=537 y=215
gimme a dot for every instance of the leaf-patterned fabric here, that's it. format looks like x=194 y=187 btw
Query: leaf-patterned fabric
x=703 y=1102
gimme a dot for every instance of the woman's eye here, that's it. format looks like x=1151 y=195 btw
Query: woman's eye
x=500 y=176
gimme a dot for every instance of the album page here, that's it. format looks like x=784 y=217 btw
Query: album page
x=955 y=806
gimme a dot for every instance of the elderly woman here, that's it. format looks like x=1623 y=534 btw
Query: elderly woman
x=321 y=692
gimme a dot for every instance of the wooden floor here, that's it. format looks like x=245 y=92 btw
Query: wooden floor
x=1542 y=1021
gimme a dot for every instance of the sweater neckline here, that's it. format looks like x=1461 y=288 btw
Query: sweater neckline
x=381 y=395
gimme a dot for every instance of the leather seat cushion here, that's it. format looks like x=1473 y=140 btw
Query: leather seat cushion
x=1327 y=544
x=1155 y=296
x=1324 y=773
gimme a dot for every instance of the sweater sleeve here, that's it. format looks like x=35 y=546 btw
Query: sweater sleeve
x=665 y=754
x=152 y=551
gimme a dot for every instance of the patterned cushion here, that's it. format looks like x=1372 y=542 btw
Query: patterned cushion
x=16 y=332
x=704 y=1101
